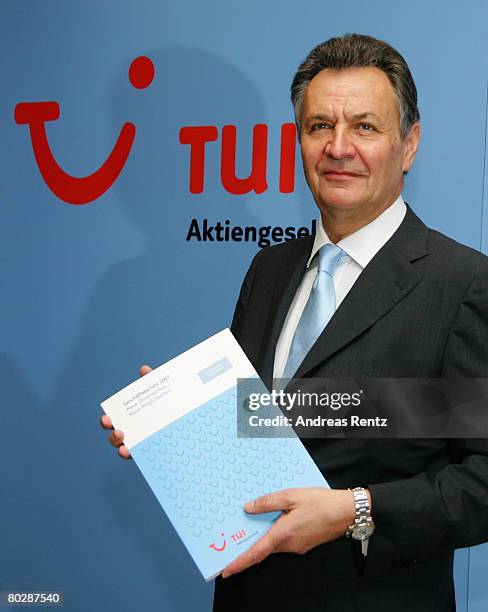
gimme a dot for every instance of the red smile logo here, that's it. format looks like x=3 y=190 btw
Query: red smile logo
x=219 y=548
x=73 y=189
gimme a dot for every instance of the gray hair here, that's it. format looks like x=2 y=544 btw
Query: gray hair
x=360 y=51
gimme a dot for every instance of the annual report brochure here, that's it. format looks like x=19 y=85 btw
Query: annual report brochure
x=179 y=423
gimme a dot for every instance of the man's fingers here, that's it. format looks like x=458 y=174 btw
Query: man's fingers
x=145 y=369
x=106 y=422
x=257 y=553
x=116 y=438
x=124 y=452
x=280 y=500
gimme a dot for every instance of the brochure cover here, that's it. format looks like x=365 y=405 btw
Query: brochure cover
x=180 y=426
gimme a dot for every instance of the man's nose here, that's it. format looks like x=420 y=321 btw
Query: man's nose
x=340 y=144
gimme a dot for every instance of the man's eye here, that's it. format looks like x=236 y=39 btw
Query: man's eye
x=319 y=126
x=367 y=127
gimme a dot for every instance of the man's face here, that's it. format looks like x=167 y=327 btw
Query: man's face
x=353 y=154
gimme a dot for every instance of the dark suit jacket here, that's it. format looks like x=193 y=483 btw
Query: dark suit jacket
x=419 y=309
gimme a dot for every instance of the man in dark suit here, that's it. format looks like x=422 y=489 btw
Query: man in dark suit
x=404 y=301
x=409 y=303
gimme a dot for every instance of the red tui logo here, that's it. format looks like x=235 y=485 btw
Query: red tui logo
x=219 y=548
x=72 y=189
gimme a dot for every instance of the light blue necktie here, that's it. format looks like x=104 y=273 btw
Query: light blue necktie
x=318 y=310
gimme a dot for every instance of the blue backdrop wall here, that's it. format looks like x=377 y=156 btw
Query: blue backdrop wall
x=89 y=292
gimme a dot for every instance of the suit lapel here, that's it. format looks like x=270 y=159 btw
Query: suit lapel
x=386 y=280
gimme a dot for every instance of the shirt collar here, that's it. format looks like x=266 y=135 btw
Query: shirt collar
x=364 y=243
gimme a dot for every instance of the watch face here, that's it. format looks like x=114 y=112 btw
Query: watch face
x=362 y=532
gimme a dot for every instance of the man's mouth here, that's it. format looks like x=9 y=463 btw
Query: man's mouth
x=340 y=174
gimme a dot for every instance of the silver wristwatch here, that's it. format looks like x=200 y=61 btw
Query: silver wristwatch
x=363 y=526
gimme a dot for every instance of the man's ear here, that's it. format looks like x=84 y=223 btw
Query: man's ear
x=412 y=142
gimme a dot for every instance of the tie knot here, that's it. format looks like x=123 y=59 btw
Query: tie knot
x=329 y=257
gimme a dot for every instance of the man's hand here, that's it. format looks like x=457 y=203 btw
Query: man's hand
x=116 y=438
x=311 y=516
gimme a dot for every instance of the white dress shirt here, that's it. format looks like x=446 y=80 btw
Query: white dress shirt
x=360 y=248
